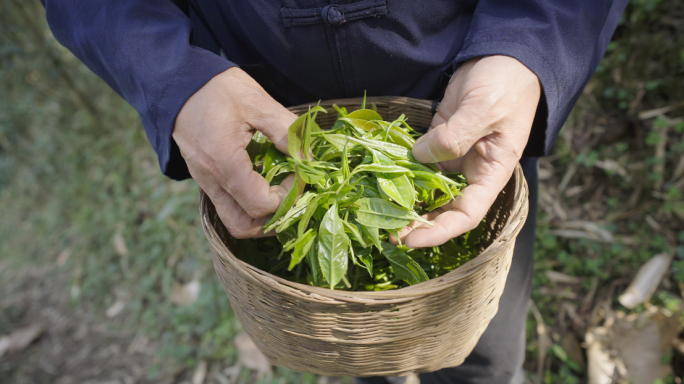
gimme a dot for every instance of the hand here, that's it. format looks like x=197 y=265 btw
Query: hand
x=480 y=129
x=212 y=131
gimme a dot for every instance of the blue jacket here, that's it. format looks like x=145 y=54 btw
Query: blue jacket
x=157 y=53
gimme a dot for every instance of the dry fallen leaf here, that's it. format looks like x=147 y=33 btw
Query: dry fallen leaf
x=120 y=245
x=115 y=309
x=601 y=367
x=593 y=229
x=632 y=347
x=200 y=373
x=562 y=278
x=75 y=291
x=642 y=340
x=250 y=356
x=575 y=234
x=646 y=281
x=545 y=174
x=63 y=257
x=20 y=339
x=611 y=166
x=185 y=294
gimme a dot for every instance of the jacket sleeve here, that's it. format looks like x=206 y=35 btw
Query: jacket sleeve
x=142 y=49
x=561 y=41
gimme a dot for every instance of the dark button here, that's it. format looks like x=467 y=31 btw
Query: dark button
x=332 y=15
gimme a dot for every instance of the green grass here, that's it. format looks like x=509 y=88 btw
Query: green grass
x=76 y=171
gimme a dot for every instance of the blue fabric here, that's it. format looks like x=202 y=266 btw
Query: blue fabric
x=157 y=53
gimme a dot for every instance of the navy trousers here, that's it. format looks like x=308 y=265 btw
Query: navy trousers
x=499 y=355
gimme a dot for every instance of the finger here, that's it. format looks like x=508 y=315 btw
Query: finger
x=467 y=210
x=235 y=176
x=235 y=219
x=274 y=122
x=451 y=223
x=404 y=232
x=240 y=224
x=452 y=139
x=251 y=191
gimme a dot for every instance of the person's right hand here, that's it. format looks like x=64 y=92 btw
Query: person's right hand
x=212 y=131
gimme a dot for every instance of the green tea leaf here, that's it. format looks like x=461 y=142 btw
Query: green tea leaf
x=362 y=124
x=333 y=248
x=391 y=169
x=287 y=236
x=345 y=162
x=311 y=126
x=323 y=165
x=272 y=158
x=442 y=200
x=398 y=136
x=294 y=213
x=394 y=151
x=366 y=257
x=314 y=265
x=257 y=146
x=378 y=168
x=372 y=233
x=403 y=265
x=364 y=114
x=398 y=188
x=475 y=235
x=342 y=112
x=379 y=213
x=426 y=180
x=351 y=228
x=299 y=134
x=310 y=175
x=301 y=248
x=382 y=159
x=310 y=209
x=295 y=136
x=285 y=206
x=277 y=171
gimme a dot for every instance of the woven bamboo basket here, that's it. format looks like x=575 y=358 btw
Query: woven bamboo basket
x=421 y=328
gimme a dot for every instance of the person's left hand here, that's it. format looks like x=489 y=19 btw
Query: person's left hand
x=480 y=129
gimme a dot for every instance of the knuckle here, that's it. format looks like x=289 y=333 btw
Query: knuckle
x=256 y=211
x=450 y=142
x=472 y=219
x=239 y=234
x=236 y=231
x=473 y=224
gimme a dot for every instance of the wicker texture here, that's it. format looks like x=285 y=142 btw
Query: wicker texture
x=421 y=328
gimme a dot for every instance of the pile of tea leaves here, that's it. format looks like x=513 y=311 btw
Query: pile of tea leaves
x=355 y=184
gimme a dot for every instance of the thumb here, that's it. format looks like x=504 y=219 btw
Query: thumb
x=451 y=139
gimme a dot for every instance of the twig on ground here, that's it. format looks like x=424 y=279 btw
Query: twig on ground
x=543 y=341
x=651 y=113
x=589 y=298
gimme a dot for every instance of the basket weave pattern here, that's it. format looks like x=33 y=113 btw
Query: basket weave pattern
x=421 y=328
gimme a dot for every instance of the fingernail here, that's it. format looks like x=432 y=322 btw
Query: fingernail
x=422 y=152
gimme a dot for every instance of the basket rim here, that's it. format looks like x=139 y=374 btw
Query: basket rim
x=422 y=103
x=512 y=227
